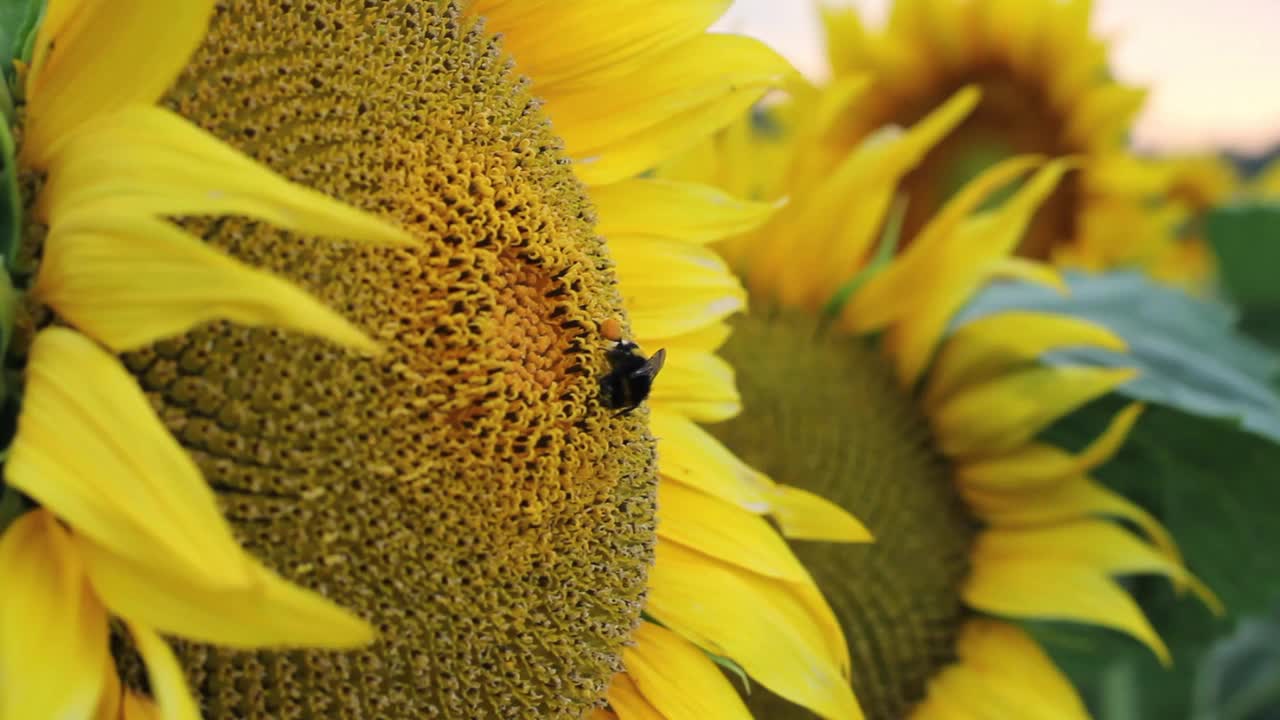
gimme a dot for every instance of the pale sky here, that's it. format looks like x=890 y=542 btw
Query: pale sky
x=1213 y=66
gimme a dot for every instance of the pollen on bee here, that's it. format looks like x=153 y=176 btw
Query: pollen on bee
x=611 y=329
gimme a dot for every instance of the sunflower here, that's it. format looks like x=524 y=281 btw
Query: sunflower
x=1044 y=89
x=1194 y=186
x=409 y=428
x=856 y=387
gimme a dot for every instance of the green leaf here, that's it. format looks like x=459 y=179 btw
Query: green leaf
x=1190 y=353
x=1246 y=239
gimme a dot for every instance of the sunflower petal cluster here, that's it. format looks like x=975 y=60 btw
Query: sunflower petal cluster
x=1052 y=543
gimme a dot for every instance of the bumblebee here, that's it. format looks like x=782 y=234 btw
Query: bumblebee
x=630 y=378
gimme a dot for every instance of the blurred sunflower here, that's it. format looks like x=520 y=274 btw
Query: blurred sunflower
x=1193 y=186
x=1266 y=182
x=464 y=491
x=1045 y=89
x=855 y=387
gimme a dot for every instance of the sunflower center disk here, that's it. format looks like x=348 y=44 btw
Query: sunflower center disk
x=464 y=491
x=825 y=413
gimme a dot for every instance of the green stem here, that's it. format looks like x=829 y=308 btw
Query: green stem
x=1120 y=692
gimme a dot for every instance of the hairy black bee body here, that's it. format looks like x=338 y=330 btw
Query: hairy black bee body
x=630 y=377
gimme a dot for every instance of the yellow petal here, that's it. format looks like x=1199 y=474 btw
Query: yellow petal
x=1072 y=499
x=267 y=612
x=628 y=702
x=690 y=455
x=961 y=264
x=838 y=225
x=998 y=415
x=952 y=33
x=802 y=515
x=989 y=346
x=53 y=631
x=995 y=648
x=111 y=699
x=1037 y=464
x=533 y=33
x=672 y=288
x=669 y=210
x=131 y=280
x=149 y=161
x=136 y=707
x=1064 y=573
x=167 y=681
x=829 y=107
x=1020 y=27
x=101 y=57
x=724 y=531
x=707 y=338
x=698 y=385
x=677 y=678
x=1105 y=113
x=1001 y=673
x=847 y=41
x=633 y=122
x=886 y=297
x=90 y=449
x=711 y=603
x=1026 y=270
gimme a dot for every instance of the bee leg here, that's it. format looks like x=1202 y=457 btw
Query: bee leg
x=625 y=411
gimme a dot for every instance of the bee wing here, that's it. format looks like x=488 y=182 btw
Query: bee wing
x=652 y=365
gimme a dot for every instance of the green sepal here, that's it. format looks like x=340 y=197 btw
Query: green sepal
x=733 y=667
